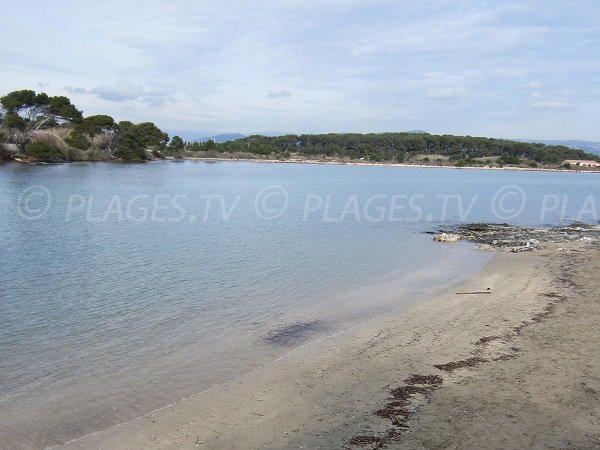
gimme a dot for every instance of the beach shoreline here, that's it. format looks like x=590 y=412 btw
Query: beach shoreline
x=384 y=164
x=319 y=162
x=343 y=390
x=74 y=413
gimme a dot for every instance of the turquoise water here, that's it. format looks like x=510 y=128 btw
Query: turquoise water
x=125 y=287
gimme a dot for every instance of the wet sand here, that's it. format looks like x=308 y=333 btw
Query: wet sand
x=514 y=366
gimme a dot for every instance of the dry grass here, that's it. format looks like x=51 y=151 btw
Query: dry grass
x=101 y=141
x=55 y=137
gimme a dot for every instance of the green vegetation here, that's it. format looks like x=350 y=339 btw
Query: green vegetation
x=44 y=152
x=53 y=129
x=468 y=162
x=406 y=147
x=45 y=128
x=176 y=145
x=133 y=141
x=509 y=159
x=93 y=126
x=27 y=114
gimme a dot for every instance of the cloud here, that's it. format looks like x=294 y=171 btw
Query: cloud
x=447 y=93
x=552 y=105
x=534 y=85
x=350 y=65
x=279 y=94
x=118 y=93
x=76 y=90
x=124 y=93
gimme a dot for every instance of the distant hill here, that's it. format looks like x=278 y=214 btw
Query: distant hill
x=203 y=136
x=223 y=137
x=219 y=138
x=586 y=146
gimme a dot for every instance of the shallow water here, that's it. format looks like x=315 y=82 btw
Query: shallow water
x=125 y=287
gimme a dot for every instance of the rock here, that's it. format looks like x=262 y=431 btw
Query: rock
x=518 y=239
x=522 y=249
x=447 y=237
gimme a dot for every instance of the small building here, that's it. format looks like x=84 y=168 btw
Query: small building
x=581 y=163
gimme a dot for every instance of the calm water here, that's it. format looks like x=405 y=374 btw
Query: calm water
x=124 y=287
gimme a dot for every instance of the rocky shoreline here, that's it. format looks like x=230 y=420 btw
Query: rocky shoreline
x=516 y=239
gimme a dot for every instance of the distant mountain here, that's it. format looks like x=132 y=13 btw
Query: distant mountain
x=187 y=135
x=203 y=135
x=223 y=137
x=586 y=146
x=219 y=138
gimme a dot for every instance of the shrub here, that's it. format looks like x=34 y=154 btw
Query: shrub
x=44 y=152
x=509 y=159
x=467 y=162
x=77 y=140
x=5 y=154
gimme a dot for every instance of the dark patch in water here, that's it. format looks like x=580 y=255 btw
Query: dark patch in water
x=294 y=333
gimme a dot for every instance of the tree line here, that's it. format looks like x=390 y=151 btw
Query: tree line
x=46 y=128
x=403 y=147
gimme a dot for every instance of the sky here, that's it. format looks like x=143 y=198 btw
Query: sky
x=528 y=69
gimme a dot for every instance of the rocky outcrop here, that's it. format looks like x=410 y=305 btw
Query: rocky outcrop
x=517 y=239
x=446 y=237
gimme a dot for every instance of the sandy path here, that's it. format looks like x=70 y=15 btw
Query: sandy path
x=534 y=380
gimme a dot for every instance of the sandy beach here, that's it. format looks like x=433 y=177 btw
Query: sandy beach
x=380 y=164
x=513 y=365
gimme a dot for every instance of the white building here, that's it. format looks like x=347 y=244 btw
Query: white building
x=581 y=163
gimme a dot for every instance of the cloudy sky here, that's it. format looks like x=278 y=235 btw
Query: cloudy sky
x=528 y=69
